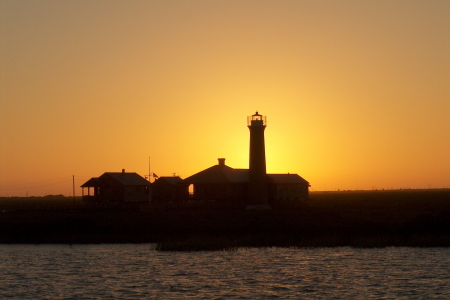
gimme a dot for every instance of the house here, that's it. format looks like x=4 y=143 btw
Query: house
x=165 y=189
x=117 y=187
x=287 y=188
x=218 y=183
x=223 y=183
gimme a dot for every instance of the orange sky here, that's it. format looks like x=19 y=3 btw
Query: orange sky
x=356 y=93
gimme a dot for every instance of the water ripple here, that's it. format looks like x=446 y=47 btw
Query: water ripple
x=138 y=271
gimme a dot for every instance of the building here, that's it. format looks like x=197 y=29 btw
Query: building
x=287 y=188
x=222 y=183
x=218 y=183
x=116 y=188
x=165 y=189
x=253 y=186
x=257 y=181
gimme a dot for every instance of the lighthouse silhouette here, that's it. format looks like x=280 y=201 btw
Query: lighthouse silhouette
x=257 y=189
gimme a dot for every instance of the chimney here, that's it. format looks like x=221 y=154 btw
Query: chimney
x=123 y=171
x=221 y=161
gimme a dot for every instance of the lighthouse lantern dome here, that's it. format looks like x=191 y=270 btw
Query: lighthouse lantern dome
x=256 y=120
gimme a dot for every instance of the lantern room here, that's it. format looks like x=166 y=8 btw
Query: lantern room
x=256 y=120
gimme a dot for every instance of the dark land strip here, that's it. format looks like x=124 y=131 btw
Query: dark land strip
x=412 y=218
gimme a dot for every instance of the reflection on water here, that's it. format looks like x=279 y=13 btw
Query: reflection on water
x=138 y=271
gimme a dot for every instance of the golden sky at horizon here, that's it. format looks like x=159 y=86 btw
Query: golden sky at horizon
x=356 y=93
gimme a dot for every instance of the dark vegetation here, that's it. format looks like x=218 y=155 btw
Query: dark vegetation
x=417 y=218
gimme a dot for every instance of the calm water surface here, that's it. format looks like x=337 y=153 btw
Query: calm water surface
x=139 y=272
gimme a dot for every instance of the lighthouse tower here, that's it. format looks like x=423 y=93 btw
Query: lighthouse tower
x=257 y=189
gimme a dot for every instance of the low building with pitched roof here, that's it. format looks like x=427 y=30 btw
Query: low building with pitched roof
x=223 y=183
x=287 y=188
x=165 y=189
x=117 y=187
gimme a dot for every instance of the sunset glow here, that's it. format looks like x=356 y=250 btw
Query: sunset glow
x=356 y=94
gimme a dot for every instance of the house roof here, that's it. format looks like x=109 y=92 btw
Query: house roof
x=286 y=178
x=218 y=174
x=128 y=179
x=170 y=179
x=93 y=182
x=222 y=173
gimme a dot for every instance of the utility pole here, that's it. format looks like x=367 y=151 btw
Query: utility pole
x=73 y=189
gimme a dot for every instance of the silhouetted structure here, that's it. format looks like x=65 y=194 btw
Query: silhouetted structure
x=287 y=188
x=222 y=183
x=165 y=189
x=218 y=183
x=252 y=187
x=117 y=188
x=257 y=186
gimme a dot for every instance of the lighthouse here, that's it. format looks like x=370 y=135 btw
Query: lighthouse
x=257 y=189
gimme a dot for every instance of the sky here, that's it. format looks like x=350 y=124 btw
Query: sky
x=356 y=93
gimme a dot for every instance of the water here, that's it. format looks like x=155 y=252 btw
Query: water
x=139 y=272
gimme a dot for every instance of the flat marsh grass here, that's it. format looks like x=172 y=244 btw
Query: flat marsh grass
x=418 y=218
